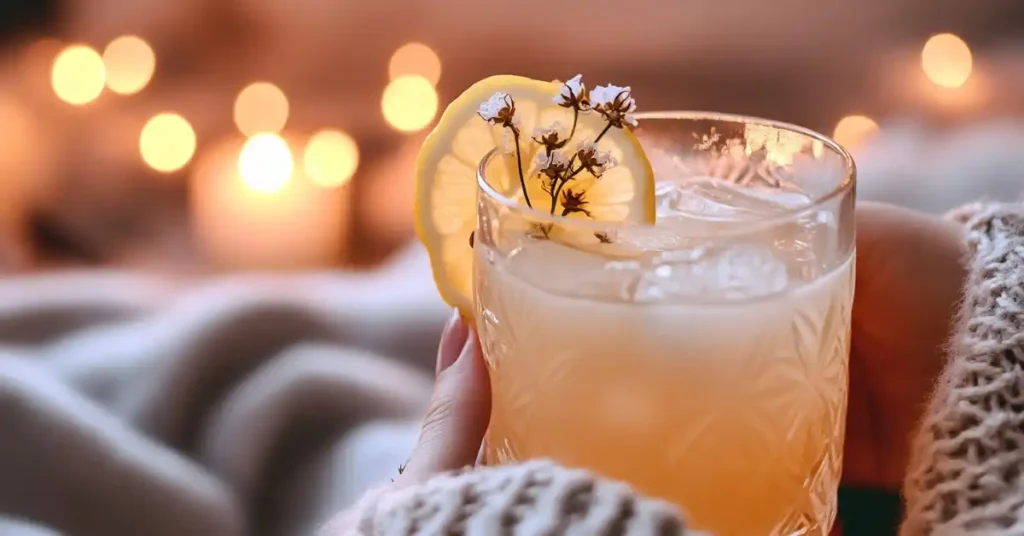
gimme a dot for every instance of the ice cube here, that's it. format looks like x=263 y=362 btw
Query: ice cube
x=712 y=198
x=568 y=271
x=740 y=272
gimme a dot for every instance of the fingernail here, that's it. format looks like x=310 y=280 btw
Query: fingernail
x=454 y=339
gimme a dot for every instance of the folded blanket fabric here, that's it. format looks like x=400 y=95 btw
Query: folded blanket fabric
x=145 y=406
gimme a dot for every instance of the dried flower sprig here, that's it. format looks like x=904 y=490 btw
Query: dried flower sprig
x=590 y=159
x=573 y=95
x=554 y=166
x=500 y=109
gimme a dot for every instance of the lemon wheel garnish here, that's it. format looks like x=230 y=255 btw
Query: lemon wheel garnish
x=446 y=174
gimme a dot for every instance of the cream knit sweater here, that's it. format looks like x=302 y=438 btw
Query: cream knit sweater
x=967 y=475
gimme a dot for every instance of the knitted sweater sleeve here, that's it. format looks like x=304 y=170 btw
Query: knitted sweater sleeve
x=967 y=470
x=537 y=497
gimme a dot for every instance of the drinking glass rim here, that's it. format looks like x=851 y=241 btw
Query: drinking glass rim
x=845 y=185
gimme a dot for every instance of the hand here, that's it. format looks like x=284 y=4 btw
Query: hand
x=459 y=409
x=910 y=274
x=455 y=423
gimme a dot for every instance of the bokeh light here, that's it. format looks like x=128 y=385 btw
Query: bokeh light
x=130 y=63
x=78 y=75
x=331 y=158
x=261 y=107
x=854 y=130
x=415 y=58
x=265 y=164
x=167 y=142
x=946 y=60
x=409 y=103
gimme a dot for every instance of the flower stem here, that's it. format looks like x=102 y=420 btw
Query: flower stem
x=558 y=190
x=554 y=196
x=572 y=172
x=575 y=120
x=519 y=162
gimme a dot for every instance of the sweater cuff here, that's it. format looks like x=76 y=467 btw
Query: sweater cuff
x=965 y=473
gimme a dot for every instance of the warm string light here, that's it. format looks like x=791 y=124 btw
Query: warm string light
x=409 y=103
x=853 y=130
x=947 y=61
x=78 y=75
x=415 y=58
x=331 y=158
x=261 y=108
x=167 y=142
x=130 y=64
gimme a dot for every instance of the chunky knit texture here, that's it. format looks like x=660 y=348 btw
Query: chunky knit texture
x=533 y=498
x=967 y=474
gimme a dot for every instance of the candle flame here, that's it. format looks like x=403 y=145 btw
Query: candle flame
x=265 y=164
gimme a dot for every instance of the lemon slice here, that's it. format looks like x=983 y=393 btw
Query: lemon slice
x=446 y=184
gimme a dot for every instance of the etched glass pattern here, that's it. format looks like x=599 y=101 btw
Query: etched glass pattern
x=702 y=360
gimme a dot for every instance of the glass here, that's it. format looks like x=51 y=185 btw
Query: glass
x=704 y=359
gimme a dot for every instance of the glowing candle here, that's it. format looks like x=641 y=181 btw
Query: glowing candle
x=253 y=207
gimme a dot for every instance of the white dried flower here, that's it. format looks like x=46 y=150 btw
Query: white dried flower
x=573 y=94
x=615 y=103
x=552 y=164
x=593 y=159
x=550 y=137
x=556 y=128
x=604 y=96
x=500 y=109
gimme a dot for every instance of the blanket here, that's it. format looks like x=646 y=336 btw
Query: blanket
x=250 y=404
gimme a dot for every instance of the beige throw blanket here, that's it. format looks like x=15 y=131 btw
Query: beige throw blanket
x=134 y=405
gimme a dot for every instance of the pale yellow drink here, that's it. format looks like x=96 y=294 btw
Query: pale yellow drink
x=715 y=377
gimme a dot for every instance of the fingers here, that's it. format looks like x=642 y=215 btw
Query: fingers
x=452 y=340
x=909 y=280
x=459 y=409
x=910 y=273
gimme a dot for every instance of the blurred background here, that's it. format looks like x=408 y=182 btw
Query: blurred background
x=279 y=134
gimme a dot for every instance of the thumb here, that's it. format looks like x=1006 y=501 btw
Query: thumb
x=459 y=409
